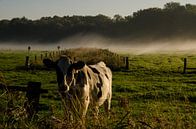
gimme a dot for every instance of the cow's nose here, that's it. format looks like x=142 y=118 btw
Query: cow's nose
x=64 y=89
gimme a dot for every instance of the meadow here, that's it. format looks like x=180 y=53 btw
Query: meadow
x=153 y=93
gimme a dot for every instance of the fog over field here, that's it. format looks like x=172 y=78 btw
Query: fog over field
x=118 y=45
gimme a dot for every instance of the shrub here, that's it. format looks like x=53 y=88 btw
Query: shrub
x=94 y=55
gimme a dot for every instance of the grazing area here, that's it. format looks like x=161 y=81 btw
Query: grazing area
x=153 y=93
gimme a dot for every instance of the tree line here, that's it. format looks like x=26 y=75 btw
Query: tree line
x=173 y=20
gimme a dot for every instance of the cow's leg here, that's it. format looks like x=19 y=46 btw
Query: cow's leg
x=66 y=102
x=85 y=105
x=107 y=104
x=96 y=108
x=95 y=114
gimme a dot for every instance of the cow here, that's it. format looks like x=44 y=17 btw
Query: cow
x=84 y=84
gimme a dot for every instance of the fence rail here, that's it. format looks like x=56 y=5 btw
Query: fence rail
x=33 y=91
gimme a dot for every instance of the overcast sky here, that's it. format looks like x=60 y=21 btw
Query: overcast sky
x=35 y=9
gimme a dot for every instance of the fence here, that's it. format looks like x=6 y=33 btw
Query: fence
x=186 y=66
x=33 y=91
x=113 y=60
x=29 y=60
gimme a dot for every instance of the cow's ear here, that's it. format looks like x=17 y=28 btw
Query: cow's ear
x=78 y=65
x=49 y=63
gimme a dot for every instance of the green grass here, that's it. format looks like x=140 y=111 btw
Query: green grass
x=157 y=94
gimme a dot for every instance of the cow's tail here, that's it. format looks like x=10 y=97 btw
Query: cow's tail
x=109 y=98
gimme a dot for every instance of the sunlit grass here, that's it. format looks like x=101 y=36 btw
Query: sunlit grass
x=153 y=93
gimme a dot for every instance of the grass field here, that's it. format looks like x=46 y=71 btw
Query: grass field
x=153 y=93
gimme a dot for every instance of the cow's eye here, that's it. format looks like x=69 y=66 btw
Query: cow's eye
x=69 y=73
x=75 y=74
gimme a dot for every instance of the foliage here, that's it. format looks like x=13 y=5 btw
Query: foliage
x=153 y=23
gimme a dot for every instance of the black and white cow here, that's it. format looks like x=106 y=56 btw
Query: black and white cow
x=90 y=84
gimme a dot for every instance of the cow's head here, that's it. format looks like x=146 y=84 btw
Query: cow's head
x=61 y=66
x=76 y=75
x=68 y=73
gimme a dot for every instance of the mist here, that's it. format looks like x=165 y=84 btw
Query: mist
x=116 y=45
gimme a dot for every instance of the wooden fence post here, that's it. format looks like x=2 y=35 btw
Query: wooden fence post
x=33 y=95
x=27 y=62
x=41 y=57
x=118 y=61
x=35 y=58
x=127 y=63
x=50 y=55
x=53 y=54
x=46 y=55
x=185 y=65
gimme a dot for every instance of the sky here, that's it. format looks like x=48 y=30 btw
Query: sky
x=35 y=9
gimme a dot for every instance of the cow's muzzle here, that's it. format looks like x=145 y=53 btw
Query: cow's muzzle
x=64 y=89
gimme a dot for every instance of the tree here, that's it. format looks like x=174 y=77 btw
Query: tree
x=172 y=5
x=191 y=8
x=118 y=18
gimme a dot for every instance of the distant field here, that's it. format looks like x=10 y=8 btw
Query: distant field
x=153 y=93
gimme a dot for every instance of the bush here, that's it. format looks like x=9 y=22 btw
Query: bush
x=94 y=55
